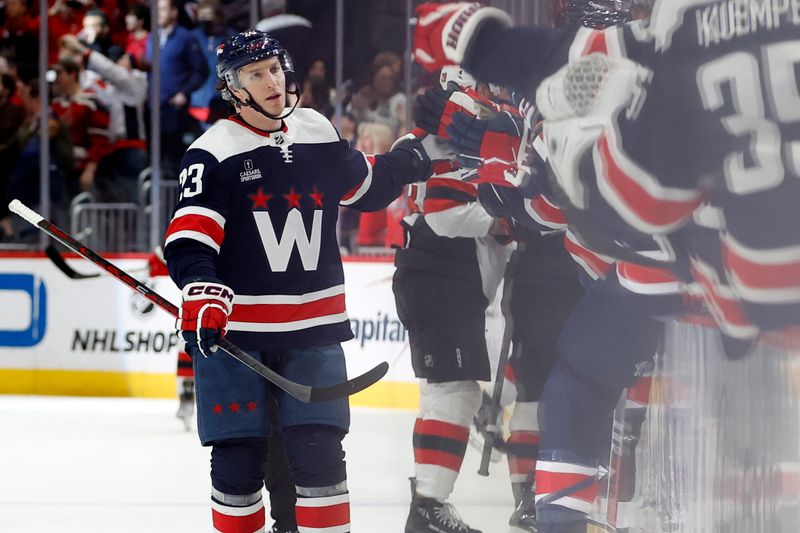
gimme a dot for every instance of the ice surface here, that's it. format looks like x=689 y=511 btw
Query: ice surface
x=122 y=465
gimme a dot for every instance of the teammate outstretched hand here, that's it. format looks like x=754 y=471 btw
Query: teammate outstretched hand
x=204 y=315
x=410 y=145
x=435 y=108
x=491 y=146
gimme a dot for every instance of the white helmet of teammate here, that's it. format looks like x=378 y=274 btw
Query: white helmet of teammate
x=457 y=75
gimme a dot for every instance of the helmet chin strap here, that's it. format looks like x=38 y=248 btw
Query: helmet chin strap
x=252 y=103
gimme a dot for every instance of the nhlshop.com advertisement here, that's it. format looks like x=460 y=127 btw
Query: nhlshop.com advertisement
x=95 y=336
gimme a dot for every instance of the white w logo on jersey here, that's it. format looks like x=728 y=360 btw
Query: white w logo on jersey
x=294 y=233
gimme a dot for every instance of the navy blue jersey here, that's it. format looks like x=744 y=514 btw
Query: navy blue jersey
x=258 y=212
x=712 y=149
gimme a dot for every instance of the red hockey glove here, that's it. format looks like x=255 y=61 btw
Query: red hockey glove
x=444 y=31
x=494 y=147
x=435 y=108
x=204 y=315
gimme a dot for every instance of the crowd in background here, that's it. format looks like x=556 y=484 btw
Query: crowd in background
x=100 y=61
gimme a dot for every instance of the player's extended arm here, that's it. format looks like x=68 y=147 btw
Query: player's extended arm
x=387 y=174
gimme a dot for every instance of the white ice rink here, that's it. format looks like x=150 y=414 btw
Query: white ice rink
x=121 y=465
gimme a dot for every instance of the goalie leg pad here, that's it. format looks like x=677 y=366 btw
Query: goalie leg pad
x=441 y=434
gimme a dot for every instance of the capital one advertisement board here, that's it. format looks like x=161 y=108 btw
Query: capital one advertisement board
x=96 y=336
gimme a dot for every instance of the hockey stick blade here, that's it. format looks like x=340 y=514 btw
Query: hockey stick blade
x=305 y=393
x=58 y=261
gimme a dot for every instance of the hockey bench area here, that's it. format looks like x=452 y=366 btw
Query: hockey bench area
x=719 y=448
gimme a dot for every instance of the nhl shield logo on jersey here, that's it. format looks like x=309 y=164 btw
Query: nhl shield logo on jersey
x=249 y=173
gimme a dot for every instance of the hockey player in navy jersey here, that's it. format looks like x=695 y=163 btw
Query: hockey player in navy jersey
x=706 y=185
x=685 y=66
x=252 y=245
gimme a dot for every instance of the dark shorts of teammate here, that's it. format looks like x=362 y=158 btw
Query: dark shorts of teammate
x=545 y=293
x=446 y=321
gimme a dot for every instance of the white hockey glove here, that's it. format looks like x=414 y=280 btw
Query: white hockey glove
x=578 y=102
x=444 y=31
x=204 y=315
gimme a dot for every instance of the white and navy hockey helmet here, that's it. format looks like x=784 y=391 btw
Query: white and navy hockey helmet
x=245 y=48
x=457 y=75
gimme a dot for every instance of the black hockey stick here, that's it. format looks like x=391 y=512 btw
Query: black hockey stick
x=505 y=346
x=305 y=393
x=58 y=261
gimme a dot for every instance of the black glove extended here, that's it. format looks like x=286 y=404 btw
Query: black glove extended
x=410 y=147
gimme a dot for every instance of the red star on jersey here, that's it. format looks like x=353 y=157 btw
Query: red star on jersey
x=317 y=197
x=293 y=198
x=251 y=406
x=235 y=407
x=260 y=199
x=217 y=409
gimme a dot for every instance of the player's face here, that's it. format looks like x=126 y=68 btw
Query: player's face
x=266 y=83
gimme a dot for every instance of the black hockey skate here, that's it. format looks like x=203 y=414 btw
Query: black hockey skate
x=428 y=515
x=523 y=519
x=186 y=404
x=276 y=530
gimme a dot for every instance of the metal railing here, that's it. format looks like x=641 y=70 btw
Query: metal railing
x=108 y=227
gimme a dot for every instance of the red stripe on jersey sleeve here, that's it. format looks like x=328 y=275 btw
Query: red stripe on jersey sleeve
x=354 y=190
x=648 y=208
x=762 y=274
x=549 y=213
x=588 y=259
x=645 y=274
x=199 y=223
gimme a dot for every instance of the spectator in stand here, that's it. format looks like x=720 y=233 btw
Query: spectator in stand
x=96 y=33
x=136 y=22
x=11 y=118
x=24 y=182
x=123 y=91
x=211 y=32
x=18 y=31
x=183 y=70
x=66 y=16
x=87 y=120
x=373 y=227
x=317 y=96
x=292 y=31
x=381 y=101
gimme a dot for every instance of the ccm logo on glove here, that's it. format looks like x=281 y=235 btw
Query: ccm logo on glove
x=196 y=289
x=204 y=315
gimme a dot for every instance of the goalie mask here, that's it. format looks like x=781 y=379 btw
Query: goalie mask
x=249 y=47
